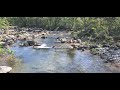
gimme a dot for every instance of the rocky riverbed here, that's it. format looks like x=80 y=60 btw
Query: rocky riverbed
x=109 y=54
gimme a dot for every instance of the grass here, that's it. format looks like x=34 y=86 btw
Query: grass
x=7 y=57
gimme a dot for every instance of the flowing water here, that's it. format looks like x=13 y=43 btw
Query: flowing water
x=56 y=60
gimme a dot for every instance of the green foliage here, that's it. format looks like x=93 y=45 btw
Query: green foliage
x=97 y=28
x=2 y=51
x=3 y=22
x=10 y=51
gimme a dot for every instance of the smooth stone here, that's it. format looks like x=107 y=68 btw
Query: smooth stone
x=5 y=69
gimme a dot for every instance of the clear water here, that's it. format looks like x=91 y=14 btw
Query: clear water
x=56 y=60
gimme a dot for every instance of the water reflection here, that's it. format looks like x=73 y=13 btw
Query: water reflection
x=71 y=54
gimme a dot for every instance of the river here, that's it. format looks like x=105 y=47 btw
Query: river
x=56 y=60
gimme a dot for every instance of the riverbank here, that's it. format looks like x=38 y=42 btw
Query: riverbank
x=108 y=51
x=7 y=61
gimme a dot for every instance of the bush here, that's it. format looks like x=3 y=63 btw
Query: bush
x=2 y=51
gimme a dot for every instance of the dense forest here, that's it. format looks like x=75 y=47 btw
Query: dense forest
x=94 y=28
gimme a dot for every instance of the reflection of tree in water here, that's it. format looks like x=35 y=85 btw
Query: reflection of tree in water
x=73 y=67
x=71 y=54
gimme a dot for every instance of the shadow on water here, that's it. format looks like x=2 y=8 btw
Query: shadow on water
x=71 y=54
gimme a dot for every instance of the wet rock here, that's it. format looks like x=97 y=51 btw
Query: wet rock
x=93 y=46
x=74 y=38
x=58 y=38
x=43 y=37
x=79 y=41
x=21 y=44
x=106 y=45
x=114 y=47
x=103 y=56
x=105 y=61
x=82 y=47
x=10 y=42
x=118 y=45
x=31 y=43
x=58 y=41
x=76 y=45
x=27 y=43
x=85 y=47
x=37 y=44
x=111 y=60
x=110 y=55
x=63 y=40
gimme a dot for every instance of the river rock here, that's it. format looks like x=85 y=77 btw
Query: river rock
x=75 y=45
x=93 y=46
x=21 y=44
x=80 y=47
x=79 y=41
x=63 y=40
x=2 y=43
x=110 y=55
x=114 y=47
x=5 y=69
x=10 y=42
x=43 y=37
x=58 y=41
x=118 y=45
x=31 y=43
x=106 y=45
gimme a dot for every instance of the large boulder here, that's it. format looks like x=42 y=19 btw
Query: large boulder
x=5 y=69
